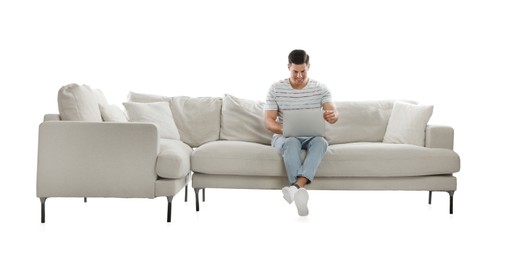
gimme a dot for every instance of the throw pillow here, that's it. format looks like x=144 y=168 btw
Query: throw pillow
x=407 y=124
x=243 y=120
x=112 y=113
x=156 y=112
x=78 y=103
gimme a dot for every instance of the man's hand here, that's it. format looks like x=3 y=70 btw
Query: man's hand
x=330 y=113
x=330 y=116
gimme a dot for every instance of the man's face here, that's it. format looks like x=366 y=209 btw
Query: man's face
x=298 y=73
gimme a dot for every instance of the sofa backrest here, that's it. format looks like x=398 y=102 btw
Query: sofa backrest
x=243 y=120
x=204 y=119
x=360 y=121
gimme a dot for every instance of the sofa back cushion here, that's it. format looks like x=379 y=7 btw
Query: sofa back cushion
x=197 y=118
x=243 y=120
x=79 y=103
x=360 y=121
x=158 y=113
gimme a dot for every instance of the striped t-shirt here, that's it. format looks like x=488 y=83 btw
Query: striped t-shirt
x=282 y=96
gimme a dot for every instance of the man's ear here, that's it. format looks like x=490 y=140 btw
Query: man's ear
x=288 y=66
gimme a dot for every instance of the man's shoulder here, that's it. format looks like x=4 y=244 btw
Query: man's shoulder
x=281 y=83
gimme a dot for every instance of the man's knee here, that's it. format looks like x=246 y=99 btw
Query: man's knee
x=320 y=142
x=291 y=142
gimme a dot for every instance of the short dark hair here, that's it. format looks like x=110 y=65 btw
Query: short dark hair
x=298 y=57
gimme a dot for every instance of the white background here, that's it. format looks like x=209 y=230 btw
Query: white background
x=450 y=54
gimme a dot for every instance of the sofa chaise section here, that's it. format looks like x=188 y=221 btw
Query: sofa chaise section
x=80 y=155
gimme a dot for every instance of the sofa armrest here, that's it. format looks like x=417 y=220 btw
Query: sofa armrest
x=439 y=136
x=97 y=159
x=52 y=117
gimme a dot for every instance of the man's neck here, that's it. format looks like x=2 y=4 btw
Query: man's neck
x=298 y=86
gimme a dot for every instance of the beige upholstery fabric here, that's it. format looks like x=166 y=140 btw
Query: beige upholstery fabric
x=99 y=95
x=146 y=98
x=78 y=103
x=198 y=119
x=243 y=120
x=438 y=136
x=341 y=160
x=439 y=182
x=173 y=161
x=170 y=187
x=158 y=113
x=386 y=160
x=88 y=159
x=407 y=124
x=112 y=113
x=359 y=121
x=237 y=158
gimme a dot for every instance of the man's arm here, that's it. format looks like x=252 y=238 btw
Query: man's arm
x=330 y=115
x=270 y=122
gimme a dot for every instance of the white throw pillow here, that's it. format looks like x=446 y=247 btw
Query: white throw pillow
x=156 y=112
x=112 y=113
x=243 y=120
x=407 y=124
x=78 y=103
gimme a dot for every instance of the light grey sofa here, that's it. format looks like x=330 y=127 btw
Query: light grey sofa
x=375 y=145
x=90 y=149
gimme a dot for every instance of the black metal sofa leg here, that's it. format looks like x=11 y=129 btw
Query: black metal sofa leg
x=169 y=208
x=186 y=193
x=451 y=199
x=42 y=210
x=196 y=198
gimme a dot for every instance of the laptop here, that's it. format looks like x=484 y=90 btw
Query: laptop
x=303 y=123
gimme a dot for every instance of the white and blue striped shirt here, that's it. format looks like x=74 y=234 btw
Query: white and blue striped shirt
x=282 y=96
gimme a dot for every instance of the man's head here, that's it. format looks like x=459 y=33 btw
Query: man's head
x=298 y=64
x=298 y=57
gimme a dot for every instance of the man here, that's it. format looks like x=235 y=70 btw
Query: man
x=295 y=93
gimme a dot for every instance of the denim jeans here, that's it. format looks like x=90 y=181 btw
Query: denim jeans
x=291 y=147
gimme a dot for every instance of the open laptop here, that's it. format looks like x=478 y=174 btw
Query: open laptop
x=303 y=123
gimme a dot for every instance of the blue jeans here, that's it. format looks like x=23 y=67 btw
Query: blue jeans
x=290 y=149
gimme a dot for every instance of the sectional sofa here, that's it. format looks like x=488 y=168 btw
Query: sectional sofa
x=156 y=145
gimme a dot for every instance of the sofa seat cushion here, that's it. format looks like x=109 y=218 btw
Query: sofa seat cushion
x=341 y=160
x=377 y=159
x=237 y=158
x=173 y=160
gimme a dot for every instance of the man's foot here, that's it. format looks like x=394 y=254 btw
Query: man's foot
x=301 y=197
x=289 y=193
